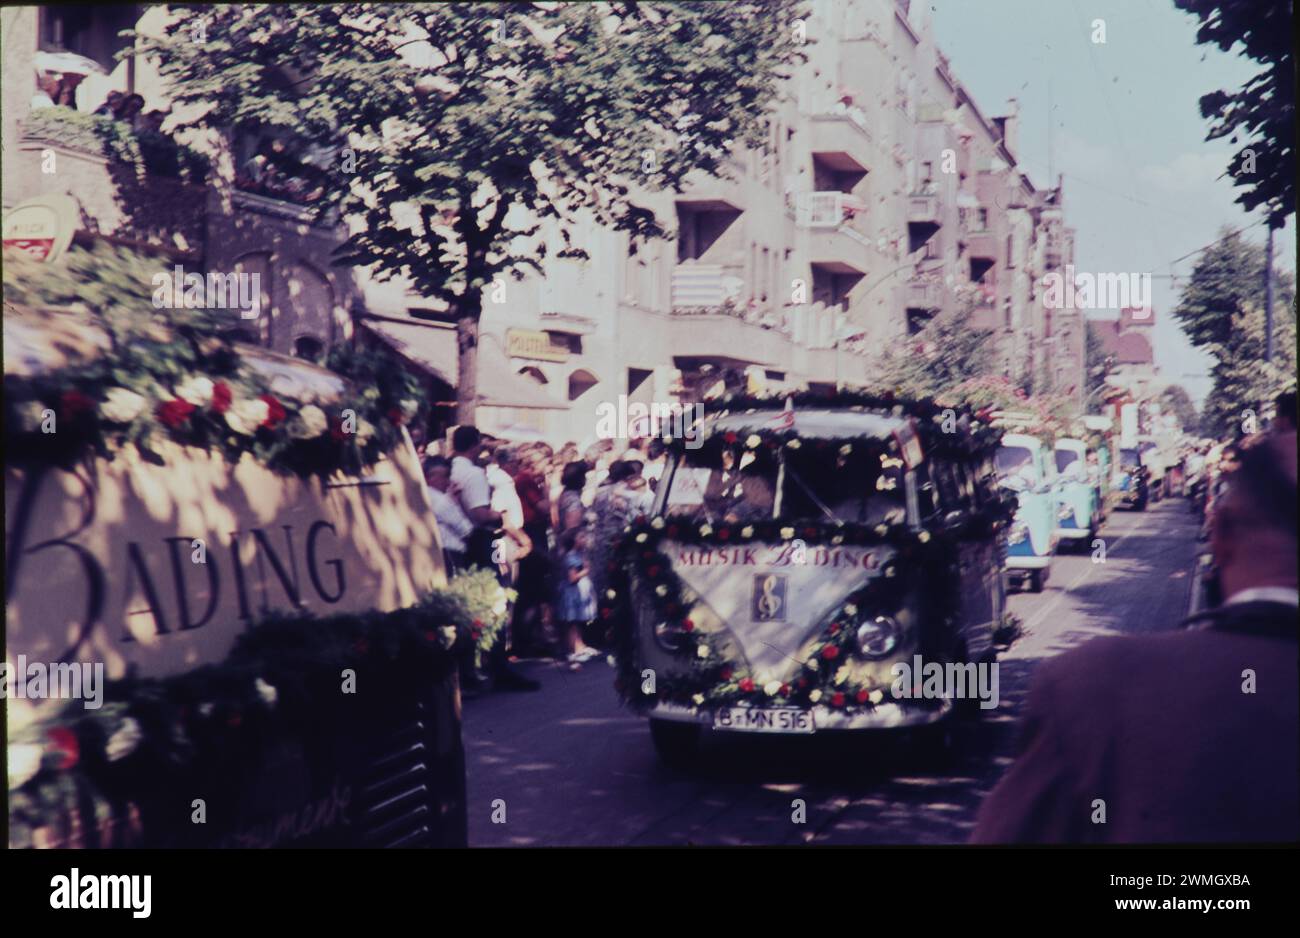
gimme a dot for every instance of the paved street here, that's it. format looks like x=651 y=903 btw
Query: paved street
x=574 y=768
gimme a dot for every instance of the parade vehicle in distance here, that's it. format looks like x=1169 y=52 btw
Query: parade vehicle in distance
x=795 y=557
x=1023 y=468
x=1157 y=465
x=1130 y=479
x=1079 y=495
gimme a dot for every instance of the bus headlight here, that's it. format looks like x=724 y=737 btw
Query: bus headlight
x=877 y=638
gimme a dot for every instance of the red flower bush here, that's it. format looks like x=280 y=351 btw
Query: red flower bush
x=746 y=685
x=175 y=413
x=275 y=412
x=837 y=699
x=75 y=403
x=64 y=741
x=221 y=397
x=831 y=652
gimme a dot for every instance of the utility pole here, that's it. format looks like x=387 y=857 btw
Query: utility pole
x=1268 y=296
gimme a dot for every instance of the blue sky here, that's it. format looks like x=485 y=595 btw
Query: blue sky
x=1140 y=180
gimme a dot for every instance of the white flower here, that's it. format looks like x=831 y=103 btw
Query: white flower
x=842 y=675
x=882 y=529
x=611 y=661
x=705 y=530
x=657 y=523
x=876 y=696
x=247 y=415
x=448 y=635
x=499 y=607
x=787 y=533
x=196 y=390
x=792 y=444
x=923 y=536
x=121 y=406
x=702 y=651
x=611 y=594
x=772 y=688
x=265 y=691
x=124 y=740
x=838 y=539
x=850 y=609
x=812 y=664
x=661 y=590
x=699 y=699
x=753 y=440
x=641 y=538
x=205 y=709
x=815 y=696
x=365 y=430
x=31 y=415
x=24 y=762
x=311 y=422
x=846 y=449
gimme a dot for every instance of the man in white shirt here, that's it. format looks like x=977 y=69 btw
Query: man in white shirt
x=453 y=526
x=469 y=483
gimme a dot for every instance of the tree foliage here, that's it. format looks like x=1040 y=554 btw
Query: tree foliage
x=1260 y=115
x=945 y=353
x=1222 y=311
x=463 y=135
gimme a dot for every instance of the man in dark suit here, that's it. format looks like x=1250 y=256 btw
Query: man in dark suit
x=1186 y=736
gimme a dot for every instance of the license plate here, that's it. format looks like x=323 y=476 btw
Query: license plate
x=756 y=720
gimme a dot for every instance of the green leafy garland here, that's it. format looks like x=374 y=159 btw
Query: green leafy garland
x=488 y=603
x=76 y=768
x=170 y=374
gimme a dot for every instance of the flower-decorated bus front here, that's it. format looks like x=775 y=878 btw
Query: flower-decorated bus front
x=778 y=585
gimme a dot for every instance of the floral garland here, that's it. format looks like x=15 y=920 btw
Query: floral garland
x=950 y=429
x=77 y=774
x=194 y=389
x=709 y=679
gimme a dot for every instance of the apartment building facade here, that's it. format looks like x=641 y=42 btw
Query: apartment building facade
x=883 y=198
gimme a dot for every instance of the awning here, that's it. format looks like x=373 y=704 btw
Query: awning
x=432 y=345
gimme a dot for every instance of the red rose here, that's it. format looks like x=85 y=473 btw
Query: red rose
x=221 y=397
x=175 y=412
x=810 y=531
x=64 y=741
x=723 y=534
x=831 y=652
x=652 y=571
x=672 y=530
x=74 y=403
x=430 y=637
x=835 y=628
x=785 y=689
x=863 y=696
x=606 y=612
x=395 y=417
x=477 y=623
x=746 y=685
x=729 y=436
x=275 y=411
x=837 y=699
x=803 y=682
x=688 y=625
x=336 y=429
x=725 y=674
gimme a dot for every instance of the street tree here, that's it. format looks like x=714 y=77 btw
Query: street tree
x=465 y=141
x=1221 y=310
x=1260 y=115
x=943 y=354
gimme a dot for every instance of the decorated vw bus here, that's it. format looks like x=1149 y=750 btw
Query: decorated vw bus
x=1078 y=492
x=801 y=557
x=1023 y=469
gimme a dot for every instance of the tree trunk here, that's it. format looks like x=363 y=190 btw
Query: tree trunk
x=467 y=360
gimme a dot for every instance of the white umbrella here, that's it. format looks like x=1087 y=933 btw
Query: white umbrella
x=66 y=63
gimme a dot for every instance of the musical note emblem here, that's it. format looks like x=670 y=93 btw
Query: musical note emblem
x=769 y=598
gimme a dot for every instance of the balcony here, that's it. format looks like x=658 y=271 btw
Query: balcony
x=923 y=210
x=705 y=193
x=924 y=294
x=836 y=239
x=705 y=286
x=842 y=140
x=137 y=187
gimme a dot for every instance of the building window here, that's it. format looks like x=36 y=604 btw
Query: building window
x=310 y=348
x=1011 y=256
x=580 y=382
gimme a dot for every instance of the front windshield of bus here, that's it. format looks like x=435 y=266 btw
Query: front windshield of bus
x=864 y=487
x=1065 y=458
x=1017 y=461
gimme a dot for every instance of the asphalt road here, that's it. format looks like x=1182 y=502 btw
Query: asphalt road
x=569 y=766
